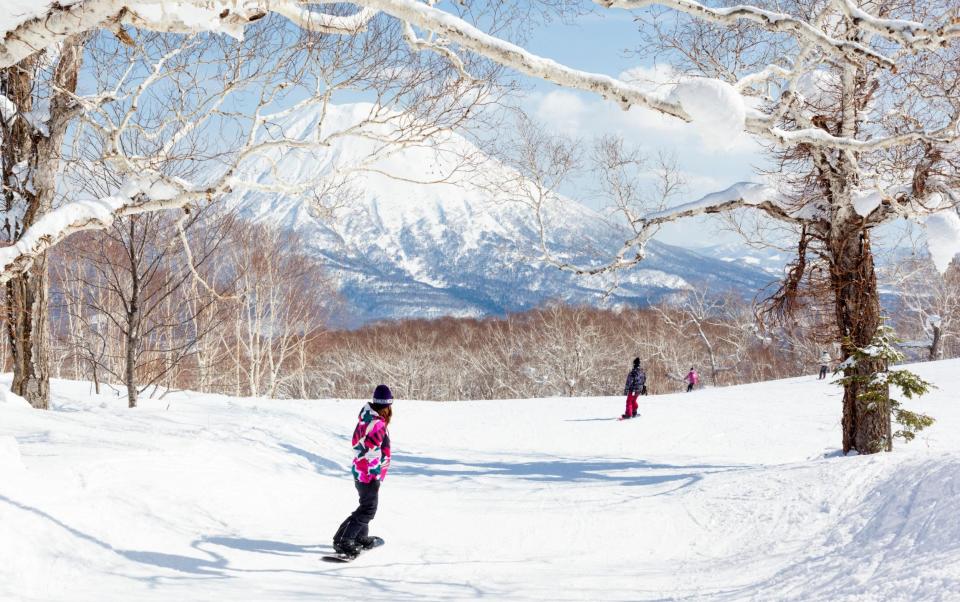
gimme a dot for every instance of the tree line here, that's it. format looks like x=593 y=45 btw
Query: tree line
x=208 y=302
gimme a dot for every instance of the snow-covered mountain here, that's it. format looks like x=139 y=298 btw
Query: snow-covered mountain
x=406 y=249
x=770 y=260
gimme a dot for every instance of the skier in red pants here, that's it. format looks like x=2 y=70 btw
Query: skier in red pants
x=635 y=382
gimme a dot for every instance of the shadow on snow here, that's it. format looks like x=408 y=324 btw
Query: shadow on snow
x=613 y=472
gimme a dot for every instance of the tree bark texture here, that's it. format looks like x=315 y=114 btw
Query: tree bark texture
x=30 y=163
x=866 y=427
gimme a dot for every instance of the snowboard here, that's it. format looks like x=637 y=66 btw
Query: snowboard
x=344 y=558
x=621 y=418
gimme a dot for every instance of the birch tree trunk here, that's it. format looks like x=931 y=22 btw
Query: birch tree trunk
x=31 y=161
x=133 y=320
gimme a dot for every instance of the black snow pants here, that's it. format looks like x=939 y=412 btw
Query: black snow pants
x=356 y=525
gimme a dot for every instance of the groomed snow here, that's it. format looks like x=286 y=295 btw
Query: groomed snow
x=724 y=494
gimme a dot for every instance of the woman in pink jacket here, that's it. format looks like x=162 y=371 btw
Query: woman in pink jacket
x=371 y=442
x=692 y=379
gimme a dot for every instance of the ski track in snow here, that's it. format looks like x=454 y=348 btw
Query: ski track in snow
x=724 y=494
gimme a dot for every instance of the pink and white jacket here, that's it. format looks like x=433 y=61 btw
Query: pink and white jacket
x=371 y=442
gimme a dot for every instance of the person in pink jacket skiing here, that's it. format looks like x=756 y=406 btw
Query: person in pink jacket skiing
x=371 y=442
x=692 y=379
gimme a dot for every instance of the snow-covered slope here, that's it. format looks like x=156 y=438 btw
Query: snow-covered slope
x=410 y=249
x=722 y=494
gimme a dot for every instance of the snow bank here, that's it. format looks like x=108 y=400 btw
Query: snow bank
x=716 y=108
x=943 y=237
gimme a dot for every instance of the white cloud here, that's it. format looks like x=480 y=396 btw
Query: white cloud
x=564 y=110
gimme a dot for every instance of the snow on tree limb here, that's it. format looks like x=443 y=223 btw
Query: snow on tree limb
x=511 y=55
x=740 y=195
x=705 y=101
x=769 y=20
x=909 y=34
x=138 y=195
x=188 y=16
x=323 y=22
x=223 y=16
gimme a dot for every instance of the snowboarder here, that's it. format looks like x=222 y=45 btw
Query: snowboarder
x=692 y=379
x=636 y=383
x=371 y=442
x=824 y=365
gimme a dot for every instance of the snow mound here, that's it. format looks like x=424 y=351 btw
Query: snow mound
x=9 y=399
x=716 y=108
x=943 y=237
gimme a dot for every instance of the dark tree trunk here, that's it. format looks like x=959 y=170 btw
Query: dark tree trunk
x=28 y=328
x=134 y=318
x=96 y=379
x=935 y=347
x=866 y=427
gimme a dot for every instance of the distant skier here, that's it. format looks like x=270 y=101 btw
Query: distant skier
x=692 y=379
x=371 y=442
x=824 y=365
x=636 y=384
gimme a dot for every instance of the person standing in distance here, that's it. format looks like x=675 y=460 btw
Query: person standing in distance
x=635 y=384
x=824 y=365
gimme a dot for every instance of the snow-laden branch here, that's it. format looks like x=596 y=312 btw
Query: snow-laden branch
x=438 y=46
x=229 y=17
x=741 y=194
x=769 y=20
x=633 y=251
x=908 y=34
x=56 y=22
x=143 y=194
x=510 y=55
x=323 y=22
x=457 y=30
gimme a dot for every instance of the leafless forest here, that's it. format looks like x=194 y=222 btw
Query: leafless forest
x=240 y=310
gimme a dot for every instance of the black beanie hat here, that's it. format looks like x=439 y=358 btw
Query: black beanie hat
x=382 y=395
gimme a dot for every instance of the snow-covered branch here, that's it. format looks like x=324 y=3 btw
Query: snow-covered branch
x=770 y=20
x=323 y=22
x=145 y=194
x=738 y=196
x=55 y=22
x=910 y=35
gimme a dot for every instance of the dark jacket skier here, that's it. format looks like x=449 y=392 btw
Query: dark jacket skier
x=636 y=382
